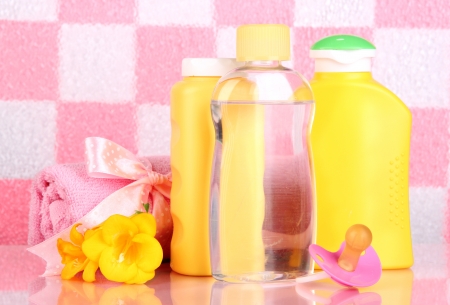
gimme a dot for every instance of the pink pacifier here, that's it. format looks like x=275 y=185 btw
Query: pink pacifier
x=347 y=266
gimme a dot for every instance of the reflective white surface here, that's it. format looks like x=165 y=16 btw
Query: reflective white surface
x=426 y=283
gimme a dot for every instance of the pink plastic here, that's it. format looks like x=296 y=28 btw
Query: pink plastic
x=344 y=296
x=367 y=273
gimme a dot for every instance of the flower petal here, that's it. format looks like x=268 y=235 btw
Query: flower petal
x=73 y=267
x=149 y=254
x=90 y=232
x=75 y=236
x=141 y=277
x=116 y=268
x=93 y=246
x=145 y=222
x=115 y=226
x=68 y=251
x=89 y=271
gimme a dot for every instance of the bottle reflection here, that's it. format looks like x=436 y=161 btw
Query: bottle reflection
x=190 y=290
x=256 y=294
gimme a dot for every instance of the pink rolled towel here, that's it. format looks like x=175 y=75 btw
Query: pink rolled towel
x=63 y=193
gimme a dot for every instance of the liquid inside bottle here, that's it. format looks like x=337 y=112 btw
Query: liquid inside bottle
x=262 y=213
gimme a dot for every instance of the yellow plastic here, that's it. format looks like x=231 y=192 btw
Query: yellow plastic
x=242 y=200
x=263 y=42
x=192 y=146
x=360 y=141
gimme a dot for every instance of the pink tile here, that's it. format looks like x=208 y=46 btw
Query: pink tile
x=14 y=209
x=446 y=232
x=76 y=121
x=97 y=11
x=429 y=291
x=412 y=14
x=305 y=37
x=160 y=51
x=28 y=63
x=429 y=147
x=236 y=12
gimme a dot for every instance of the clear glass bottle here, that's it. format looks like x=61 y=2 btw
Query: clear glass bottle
x=262 y=202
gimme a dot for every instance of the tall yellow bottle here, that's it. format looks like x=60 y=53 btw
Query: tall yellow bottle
x=360 y=141
x=192 y=145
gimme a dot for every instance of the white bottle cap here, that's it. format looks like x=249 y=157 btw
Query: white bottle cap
x=342 y=61
x=342 y=53
x=208 y=66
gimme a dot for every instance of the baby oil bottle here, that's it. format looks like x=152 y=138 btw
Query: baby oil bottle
x=262 y=212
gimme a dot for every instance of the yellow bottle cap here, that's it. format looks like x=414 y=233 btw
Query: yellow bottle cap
x=263 y=42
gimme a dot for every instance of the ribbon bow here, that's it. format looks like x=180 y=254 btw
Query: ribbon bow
x=106 y=159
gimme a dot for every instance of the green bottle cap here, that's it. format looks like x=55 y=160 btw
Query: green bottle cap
x=344 y=43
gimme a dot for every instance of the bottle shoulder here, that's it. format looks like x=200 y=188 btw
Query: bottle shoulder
x=192 y=85
x=252 y=84
x=368 y=90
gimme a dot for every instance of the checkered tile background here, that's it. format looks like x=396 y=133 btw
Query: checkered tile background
x=76 y=68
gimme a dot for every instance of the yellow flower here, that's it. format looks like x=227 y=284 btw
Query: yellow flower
x=125 y=248
x=74 y=259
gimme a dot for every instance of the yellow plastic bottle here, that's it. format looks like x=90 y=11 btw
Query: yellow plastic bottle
x=360 y=141
x=192 y=145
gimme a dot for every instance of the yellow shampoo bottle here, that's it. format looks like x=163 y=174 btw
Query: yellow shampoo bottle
x=360 y=141
x=192 y=145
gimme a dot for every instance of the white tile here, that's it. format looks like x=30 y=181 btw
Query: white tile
x=226 y=42
x=334 y=13
x=430 y=261
x=175 y=12
x=27 y=138
x=29 y=10
x=427 y=211
x=154 y=130
x=97 y=63
x=414 y=64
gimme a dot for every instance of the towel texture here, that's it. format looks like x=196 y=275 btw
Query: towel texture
x=62 y=194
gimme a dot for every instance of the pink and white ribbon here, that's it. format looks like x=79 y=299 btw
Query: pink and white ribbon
x=106 y=159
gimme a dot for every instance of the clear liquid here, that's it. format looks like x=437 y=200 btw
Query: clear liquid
x=262 y=216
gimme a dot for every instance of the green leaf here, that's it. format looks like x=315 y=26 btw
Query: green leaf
x=146 y=206
x=138 y=212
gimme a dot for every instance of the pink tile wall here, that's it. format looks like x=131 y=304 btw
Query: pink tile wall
x=28 y=60
x=412 y=14
x=160 y=51
x=71 y=69
x=76 y=121
x=14 y=207
x=93 y=11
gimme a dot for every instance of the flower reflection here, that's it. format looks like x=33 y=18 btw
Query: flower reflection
x=78 y=292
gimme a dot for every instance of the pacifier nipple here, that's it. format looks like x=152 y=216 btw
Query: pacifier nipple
x=357 y=239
